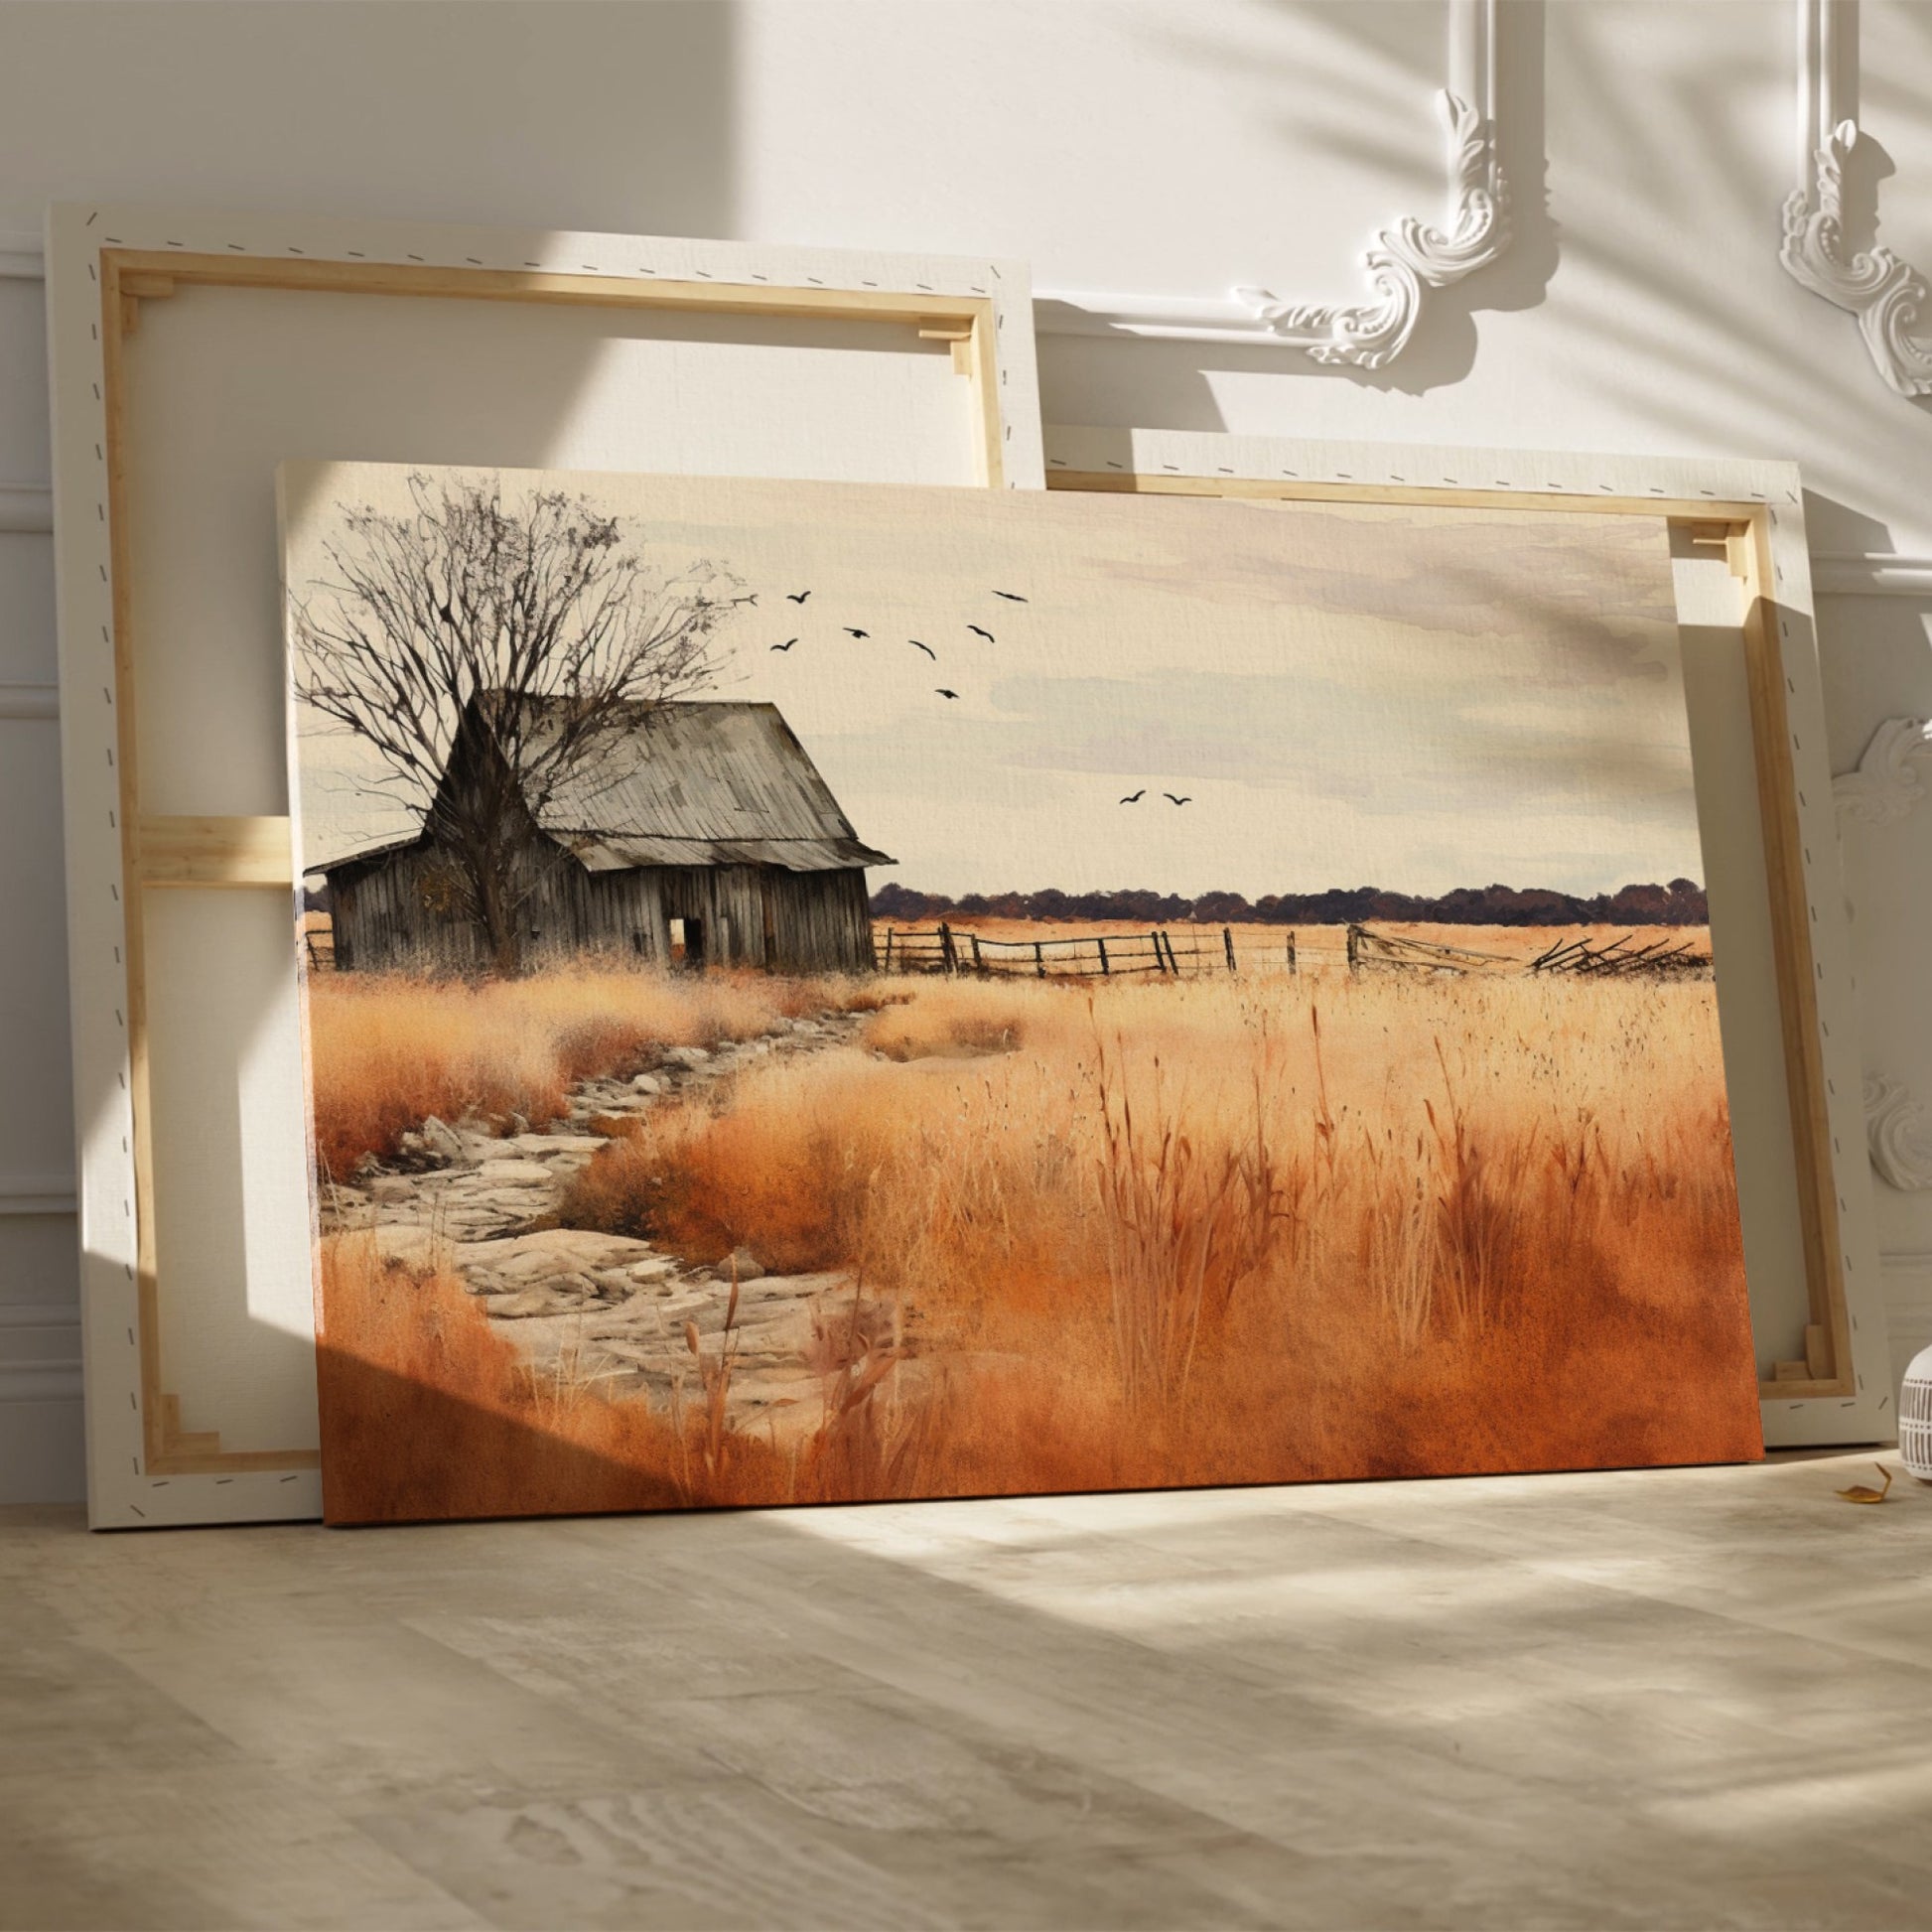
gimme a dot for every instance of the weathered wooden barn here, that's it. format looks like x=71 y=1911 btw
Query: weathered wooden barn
x=700 y=834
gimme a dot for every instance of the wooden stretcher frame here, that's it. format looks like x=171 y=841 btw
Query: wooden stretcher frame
x=1752 y=513
x=106 y=263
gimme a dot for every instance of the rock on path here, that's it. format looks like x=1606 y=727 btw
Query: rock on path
x=604 y=1310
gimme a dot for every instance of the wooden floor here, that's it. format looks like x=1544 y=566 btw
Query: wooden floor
x=1680 y=1698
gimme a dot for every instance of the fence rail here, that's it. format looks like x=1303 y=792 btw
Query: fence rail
x=953 y=950
x=1369 y=948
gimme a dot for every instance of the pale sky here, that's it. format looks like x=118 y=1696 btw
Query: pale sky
x=1415 y=699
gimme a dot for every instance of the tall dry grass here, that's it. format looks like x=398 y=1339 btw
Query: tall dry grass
x=386 y=1050
x=1224 y=1232
x=430 y=1414
x=1222 y=1207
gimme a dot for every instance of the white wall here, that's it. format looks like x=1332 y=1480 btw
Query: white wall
x=1177 y=146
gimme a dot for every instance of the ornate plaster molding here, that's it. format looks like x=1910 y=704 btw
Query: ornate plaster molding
x=1406 y=262
x=1887 y=294
x=1886 y=784
x=1898 y=1130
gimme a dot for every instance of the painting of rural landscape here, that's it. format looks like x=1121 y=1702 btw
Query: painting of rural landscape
x=819 y=991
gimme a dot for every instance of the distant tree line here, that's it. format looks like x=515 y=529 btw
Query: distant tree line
x=1681 y=902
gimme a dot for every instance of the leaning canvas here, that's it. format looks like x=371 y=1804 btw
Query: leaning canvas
x=821 y=992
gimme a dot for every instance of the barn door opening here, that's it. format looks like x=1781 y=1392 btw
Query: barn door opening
x=687 y=945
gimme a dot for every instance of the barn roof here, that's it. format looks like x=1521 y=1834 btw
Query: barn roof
x=696 y=783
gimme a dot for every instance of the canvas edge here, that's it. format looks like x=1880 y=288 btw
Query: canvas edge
x=120 y=1493
x=1866 y=1415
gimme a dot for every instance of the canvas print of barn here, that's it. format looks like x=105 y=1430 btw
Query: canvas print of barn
x=819 y=991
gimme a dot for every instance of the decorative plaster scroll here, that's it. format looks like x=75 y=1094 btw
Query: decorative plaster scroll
x=1887 y=295
x=1408 y=259
x=1898 y=1130
x=1886 y=784
x=1405 y=262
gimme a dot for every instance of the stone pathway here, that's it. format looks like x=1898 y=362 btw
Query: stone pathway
x=605 y=1309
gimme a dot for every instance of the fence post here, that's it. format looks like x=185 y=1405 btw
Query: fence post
x=979 y=968
x=1040 y=959
x=1227 y=940
x=1352 y=952
x=948 y=957
x=1159 y=958
x=888 y=950
x=1291 y=952
x=1105 y=969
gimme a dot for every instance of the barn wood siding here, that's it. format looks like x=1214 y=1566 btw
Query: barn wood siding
x=387 y=916
x=726 y=788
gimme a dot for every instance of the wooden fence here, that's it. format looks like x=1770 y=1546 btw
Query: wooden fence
x=1619 y=956
x=1368 y=948
x=1198 y=952
x=1682 y=959
x=1195 y=952
x=319 y=948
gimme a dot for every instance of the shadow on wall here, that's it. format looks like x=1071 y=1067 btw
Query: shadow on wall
x=617 y=119
x=1443 y=348
x=1709 y=342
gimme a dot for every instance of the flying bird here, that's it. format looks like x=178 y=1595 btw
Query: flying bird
x=796 y=596
x=751 y=599
x=1188 y=800
x=978 y=632
x=1135 y=797
x=944 y=693
x=850 y=632
x=786 y=645
x=927 y=648
x=1012 y=596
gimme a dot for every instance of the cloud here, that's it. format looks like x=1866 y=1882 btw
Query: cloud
x=1589 y=588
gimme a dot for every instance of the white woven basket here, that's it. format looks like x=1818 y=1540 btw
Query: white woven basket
x=1916 y=1417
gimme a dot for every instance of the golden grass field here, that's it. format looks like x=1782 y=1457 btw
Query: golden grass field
x=1231 y=1229
x=385 y=1051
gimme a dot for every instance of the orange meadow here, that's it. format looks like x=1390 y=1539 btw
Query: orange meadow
x=1236 y=1228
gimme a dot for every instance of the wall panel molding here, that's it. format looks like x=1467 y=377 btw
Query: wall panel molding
x=27 y=507
x=40 y=1351
x=1871 y=573
x=1887 y=294
x=1406 y=262
x=21 y=256
x=40 y=701
x=37 y=1193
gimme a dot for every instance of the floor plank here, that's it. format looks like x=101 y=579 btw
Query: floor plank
x=1656 y=1697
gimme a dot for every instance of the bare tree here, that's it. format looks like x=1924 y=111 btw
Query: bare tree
x=523 y=636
